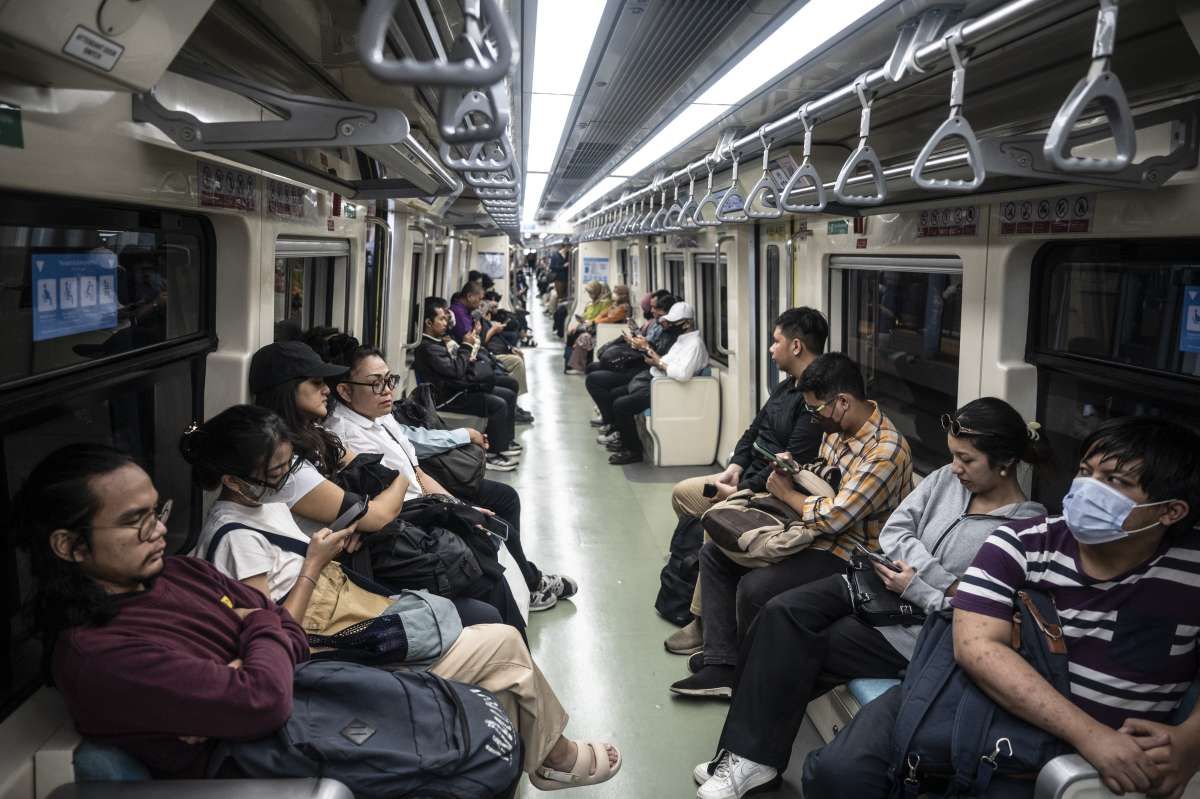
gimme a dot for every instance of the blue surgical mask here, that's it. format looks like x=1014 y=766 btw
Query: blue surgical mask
x=1096 y=513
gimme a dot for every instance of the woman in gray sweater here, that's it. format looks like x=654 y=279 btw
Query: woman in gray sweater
x=807 y=640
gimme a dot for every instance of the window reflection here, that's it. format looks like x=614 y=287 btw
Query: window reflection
x=903 y=328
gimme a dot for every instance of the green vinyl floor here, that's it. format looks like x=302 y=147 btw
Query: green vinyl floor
x=609 y=528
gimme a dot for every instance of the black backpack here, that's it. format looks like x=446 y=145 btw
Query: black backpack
x=403 y=555
x=618 y=356
x=950 y=739
x=677 y=580
x=460 y=470
x=387 y=734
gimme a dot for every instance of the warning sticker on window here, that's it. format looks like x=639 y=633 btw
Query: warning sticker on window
x=1050 y=215
x=93 y=48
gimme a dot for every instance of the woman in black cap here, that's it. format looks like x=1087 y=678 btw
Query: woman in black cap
x=289 y=378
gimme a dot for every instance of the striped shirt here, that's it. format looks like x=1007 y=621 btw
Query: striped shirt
x=876 y=475
x=1131 y=641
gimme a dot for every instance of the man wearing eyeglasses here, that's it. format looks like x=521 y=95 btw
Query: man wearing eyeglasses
x=876 y=468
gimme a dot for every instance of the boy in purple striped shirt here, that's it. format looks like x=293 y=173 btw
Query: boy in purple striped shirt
x=1123 y=566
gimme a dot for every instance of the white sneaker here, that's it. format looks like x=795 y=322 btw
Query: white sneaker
x=499 y=463
x=700 y=773
x=607 y=438
x=734 y=777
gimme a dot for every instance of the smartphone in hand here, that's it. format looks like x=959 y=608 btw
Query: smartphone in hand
x=876 y=557
x=779 y=463
x=352 y=514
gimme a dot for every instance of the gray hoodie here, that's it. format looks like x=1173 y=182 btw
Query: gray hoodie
x=932 y=532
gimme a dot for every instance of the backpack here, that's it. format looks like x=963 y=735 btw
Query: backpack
x=950 y=739
x=677 y=580
x=459 y=470
x=618 y=356
x=403 y=555
x=387 y=734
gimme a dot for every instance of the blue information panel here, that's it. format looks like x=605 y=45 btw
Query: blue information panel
x=73 y=292
x=1189 y=326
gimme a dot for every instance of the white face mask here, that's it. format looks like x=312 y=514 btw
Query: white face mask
x=1096 y=513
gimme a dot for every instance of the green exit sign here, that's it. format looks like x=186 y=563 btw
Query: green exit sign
x=837 y=227
x=10 y=128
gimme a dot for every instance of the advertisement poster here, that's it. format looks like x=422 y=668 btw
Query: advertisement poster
x=492 y=264
x=595 y=269
x=73 y=292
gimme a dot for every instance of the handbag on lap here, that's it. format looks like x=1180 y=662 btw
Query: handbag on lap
x=873 y=603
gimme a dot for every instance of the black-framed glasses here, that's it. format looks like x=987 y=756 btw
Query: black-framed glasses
x=379 y=385
x=956 y=428
x=146 y=526
x=276 y=485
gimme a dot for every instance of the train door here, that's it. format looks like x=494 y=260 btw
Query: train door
x=1114 y=331
x=441 y=275
x=375 y=283
x=420 y=286
x=773 y=299
x=713 y=308
x=623 y=266
x=900 y=320
x=312 y=282
x=676 y=275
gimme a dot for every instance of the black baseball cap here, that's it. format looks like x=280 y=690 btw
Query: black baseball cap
x=287 y=360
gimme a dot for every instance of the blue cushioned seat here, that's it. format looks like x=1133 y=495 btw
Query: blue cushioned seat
x=96 y=762
x=865 y=689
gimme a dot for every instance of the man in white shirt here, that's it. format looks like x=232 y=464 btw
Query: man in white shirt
x=687 y=358
x=363 y=420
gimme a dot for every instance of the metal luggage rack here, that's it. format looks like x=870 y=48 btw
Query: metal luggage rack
x=922 y=42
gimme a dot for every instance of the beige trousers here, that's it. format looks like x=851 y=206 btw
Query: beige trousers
x=687 y=498
x=515 y=366
x=493 y=657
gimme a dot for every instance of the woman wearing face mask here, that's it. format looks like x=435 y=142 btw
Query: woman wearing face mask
x=807 y=640
x=245 y=448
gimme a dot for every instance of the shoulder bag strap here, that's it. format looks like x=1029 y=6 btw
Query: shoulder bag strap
x=286 y=543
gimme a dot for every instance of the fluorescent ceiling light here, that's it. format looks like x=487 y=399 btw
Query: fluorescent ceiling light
x=565 y=30
x=804 y=32
x=535 y=184
x=591 y=195
x=546 y=115
x=688 y=123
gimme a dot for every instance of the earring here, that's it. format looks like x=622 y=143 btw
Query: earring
x=1003 y=472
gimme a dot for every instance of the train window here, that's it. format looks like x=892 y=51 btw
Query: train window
x=900 y=320
x=77 y=289
x=714 y=307
x=312 y=282
x=675 y=276
x=1110 y=337
x=136 y=385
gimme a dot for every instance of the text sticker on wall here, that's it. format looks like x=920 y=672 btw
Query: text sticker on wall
x=962 y=220
x=288 y=200
x=225 y=187
x=74 y=292
x=92 y=48
x=1189 y=323
x=1071 y=213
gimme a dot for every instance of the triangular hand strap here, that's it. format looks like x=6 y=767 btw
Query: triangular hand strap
x=1103 y=89
x=954 y=126
x=863 y=155
x=806 y=171
x=762 y=191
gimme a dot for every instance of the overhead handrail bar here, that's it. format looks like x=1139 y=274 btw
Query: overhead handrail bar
x=1100 y=87
x=709 y=199
x=738 y=215
x=806 y=171
x=765 y=187
x=484 y=67
x=923 y=58
x=863 y=155
x=955 y=125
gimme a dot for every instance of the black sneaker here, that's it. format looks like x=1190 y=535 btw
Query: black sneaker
x=614 y=444
x=696 y=662
x=623 y=457
x=714 y=681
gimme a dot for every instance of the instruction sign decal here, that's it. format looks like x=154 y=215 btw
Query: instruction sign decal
x=959 y=221
x=225 y=187
x=1070 y=213
x=73 y=292
x=595 y=269
x=1189 y=324
x=285 y=199
x=492 y=264
x=92 y=48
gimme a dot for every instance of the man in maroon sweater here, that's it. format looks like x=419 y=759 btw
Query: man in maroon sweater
x=159 y=656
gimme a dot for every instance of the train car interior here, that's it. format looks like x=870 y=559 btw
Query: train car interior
x=835 y=359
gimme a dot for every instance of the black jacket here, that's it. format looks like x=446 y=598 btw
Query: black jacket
x=451 y=374
x=781 y=425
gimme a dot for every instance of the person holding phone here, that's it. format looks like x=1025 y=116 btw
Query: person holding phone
x=807 y=640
